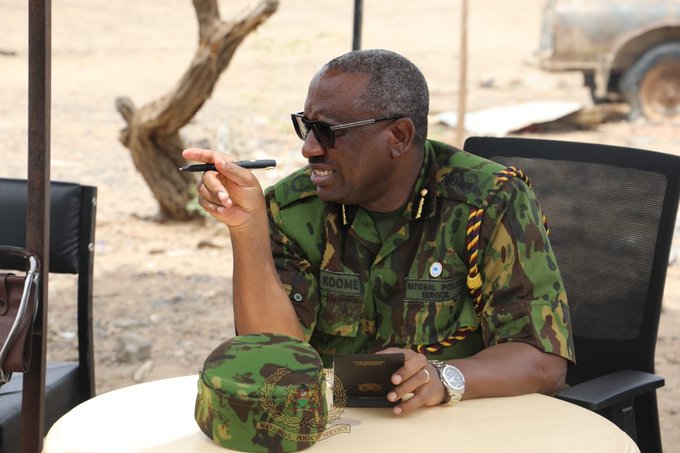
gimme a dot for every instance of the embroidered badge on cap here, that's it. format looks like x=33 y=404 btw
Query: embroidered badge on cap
x=436 y=269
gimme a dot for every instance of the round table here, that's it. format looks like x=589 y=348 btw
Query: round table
x=158 y=417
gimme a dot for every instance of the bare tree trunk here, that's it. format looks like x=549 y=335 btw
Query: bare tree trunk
x=152 y=132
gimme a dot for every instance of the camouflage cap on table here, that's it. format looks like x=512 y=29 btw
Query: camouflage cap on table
x=262 y=392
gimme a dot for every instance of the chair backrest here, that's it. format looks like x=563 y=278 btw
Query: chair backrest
x=611 y=213
x=72 y=226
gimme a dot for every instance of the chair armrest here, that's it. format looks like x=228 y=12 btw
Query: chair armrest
x=611 y=389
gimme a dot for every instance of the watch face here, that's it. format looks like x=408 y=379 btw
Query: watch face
x=454 y=378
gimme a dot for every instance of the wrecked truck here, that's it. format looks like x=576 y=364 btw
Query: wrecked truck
x=627 y=50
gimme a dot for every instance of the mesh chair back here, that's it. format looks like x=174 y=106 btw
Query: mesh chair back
x=611 y=212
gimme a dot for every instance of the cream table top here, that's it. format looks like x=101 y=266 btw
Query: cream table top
x=157 y=417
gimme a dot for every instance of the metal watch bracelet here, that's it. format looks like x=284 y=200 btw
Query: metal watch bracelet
x=453 y=381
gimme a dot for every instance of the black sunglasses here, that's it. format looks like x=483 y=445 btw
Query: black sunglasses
x=324 y=132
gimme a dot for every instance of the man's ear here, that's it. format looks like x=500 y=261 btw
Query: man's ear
x=403 y=132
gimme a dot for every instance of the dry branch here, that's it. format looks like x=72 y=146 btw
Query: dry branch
x=152 y=131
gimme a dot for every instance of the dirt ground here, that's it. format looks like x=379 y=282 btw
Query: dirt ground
x=162 y=291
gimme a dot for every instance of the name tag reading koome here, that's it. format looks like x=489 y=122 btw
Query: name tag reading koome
x=366 y=378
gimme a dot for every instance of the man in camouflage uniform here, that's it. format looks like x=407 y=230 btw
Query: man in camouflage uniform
x=369 y=243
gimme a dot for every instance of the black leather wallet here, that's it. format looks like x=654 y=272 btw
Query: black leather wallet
x=366 y=378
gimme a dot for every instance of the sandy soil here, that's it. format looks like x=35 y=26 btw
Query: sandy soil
x=162 y=291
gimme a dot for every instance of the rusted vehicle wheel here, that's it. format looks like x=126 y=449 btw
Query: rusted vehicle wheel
x=652 y=85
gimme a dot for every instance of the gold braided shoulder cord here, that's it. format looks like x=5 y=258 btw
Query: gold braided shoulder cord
x=474 y=279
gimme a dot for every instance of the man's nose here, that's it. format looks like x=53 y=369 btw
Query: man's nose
x=311 y=146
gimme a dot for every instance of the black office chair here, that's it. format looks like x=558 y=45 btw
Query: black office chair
x=72 y=225
x=611 y=212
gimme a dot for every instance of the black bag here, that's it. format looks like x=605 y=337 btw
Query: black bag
x=18 y=308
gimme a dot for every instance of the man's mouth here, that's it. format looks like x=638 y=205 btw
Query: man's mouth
x=322 y=177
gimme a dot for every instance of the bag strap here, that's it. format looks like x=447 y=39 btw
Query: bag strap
x=474 y=279
x=4 y=297
x=26 y=313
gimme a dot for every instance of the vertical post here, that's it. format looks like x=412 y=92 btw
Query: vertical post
x=462 y=80
x=38 y=209
x=358 y=18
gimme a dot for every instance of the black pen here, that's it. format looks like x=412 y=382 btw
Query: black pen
x=252 y=164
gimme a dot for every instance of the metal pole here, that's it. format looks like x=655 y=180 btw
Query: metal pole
x=37 y=217
x=358 y=17
x=462 y=80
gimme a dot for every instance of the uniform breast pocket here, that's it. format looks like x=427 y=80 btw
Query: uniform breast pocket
x=342 y=304
x=432 y=309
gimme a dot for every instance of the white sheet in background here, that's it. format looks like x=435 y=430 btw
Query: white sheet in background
x=500 y=121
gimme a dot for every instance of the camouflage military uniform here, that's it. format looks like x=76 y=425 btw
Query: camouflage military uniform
x=354 y=293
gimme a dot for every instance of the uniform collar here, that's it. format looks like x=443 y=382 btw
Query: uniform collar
x=423 y=198
x=421 y=204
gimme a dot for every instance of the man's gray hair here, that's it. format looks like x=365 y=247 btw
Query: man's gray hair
x=396 y=87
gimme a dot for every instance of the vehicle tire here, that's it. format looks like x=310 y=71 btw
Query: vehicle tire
x=652 y=84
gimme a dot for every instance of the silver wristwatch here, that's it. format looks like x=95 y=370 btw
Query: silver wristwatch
x=453 y=381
